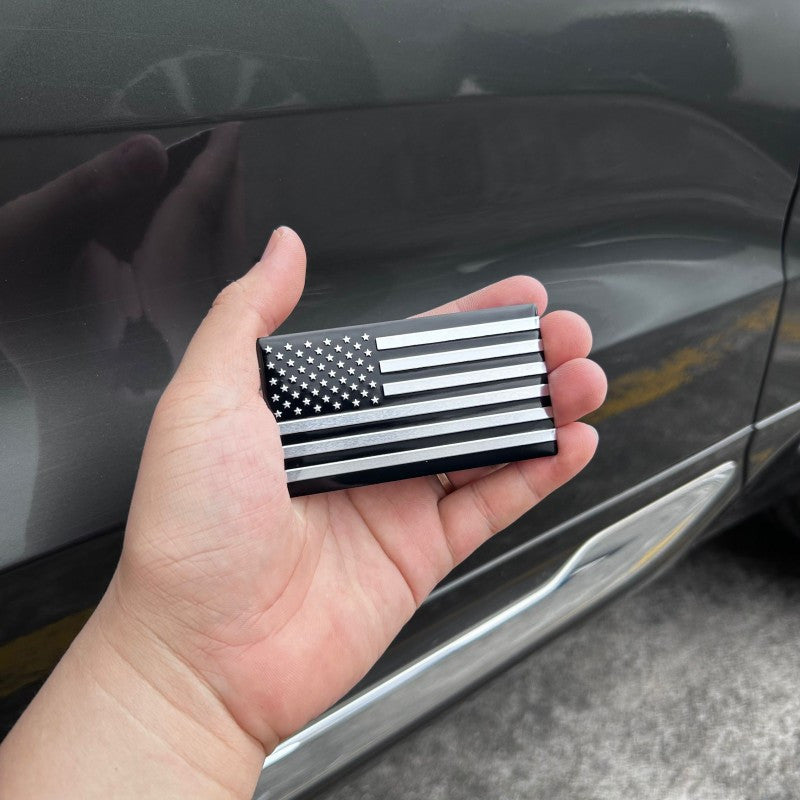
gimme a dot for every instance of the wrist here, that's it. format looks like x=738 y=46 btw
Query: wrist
x=165 y=697
x=123 y=716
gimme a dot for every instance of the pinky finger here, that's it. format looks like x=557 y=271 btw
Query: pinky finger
x=479 y=509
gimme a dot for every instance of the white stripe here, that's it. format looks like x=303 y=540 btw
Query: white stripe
x=384 y=413
x=464 y=378
x=459 y=332
x=376 y=438
x=421 y=454
x=460 y=356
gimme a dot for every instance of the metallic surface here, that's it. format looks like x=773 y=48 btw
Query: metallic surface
x=605 y=565
x=420 y=454
x=460 y=356
x=417 y=431
x=477 y=399
x=488 y=375
x=456 y=333
x=778 y=425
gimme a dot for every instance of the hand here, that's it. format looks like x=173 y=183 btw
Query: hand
x=237 y=614
x=282 y=605
x=105 y=271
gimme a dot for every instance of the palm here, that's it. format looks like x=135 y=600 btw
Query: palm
x=283 y=604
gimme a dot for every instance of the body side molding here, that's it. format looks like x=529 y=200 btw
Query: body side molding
x=610 y=561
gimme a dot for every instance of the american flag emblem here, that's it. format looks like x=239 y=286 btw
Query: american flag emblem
x=393 y=400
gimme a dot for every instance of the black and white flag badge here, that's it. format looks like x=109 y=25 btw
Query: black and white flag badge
x=391 y=400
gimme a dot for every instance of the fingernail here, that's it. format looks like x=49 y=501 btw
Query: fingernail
x=273 y=241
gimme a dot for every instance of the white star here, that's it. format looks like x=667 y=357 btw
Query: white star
x=321 y=365
x=290 y=362
x=275 y=398
x=351 y=371
x=306 y=343
x=362 y=377
x=293 y=378
x=353 y=386
x=270 y=365
x=357 y=345
x=306 y=401
x=281 y=372
x=317 y=408
x=298 y=411
x=348 y=354
x=315 y=391
x=279 y=414
x=310 y=359
x=337 y=405
x=329 y=357
x=332 y=373
x=340 y=364
x=372 y=384
x=268 y=349
x=328 y=342
x=318 y=351
x=346 y=339
x=335 y=389
x=279 y=356
x=338 y=348
x=359 y=361
x=365 y=336
x=304 y=385
x=343 y=379
x=323 y=382
x=345 y=395
x=273 y=381
x=370 y=368
x=288 y=345
x=295 y=395
x=375 y=400
x=364 y=392
x=284 y=387
x=286 y=404
x=356 y=402
x=326 y=399
x=368 y=352
x=301 y=369
x=313 y=376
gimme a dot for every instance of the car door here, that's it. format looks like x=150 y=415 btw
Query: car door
x=638 y=159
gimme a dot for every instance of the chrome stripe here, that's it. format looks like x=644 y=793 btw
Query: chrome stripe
x=460 y=356
x=778 y=416
x=420 y=454
x=390 y=435
x=383 y=413
x=611 y=561
x=464 y=378
x=458 y=332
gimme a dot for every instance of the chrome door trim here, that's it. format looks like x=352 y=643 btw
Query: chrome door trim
x=609 y=562
x=794 y=408
x=557 y=530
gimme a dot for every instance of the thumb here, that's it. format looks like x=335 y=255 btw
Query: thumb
x=222 y=351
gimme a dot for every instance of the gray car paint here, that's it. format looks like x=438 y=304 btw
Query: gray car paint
x=638 y=159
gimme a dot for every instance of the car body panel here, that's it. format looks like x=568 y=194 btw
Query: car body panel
x=638 y=158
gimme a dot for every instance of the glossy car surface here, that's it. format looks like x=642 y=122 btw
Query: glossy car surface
x=638 y=158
